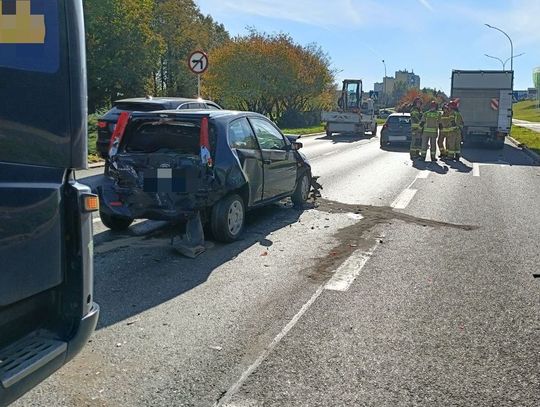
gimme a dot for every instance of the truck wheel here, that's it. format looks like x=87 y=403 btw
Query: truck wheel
x=301 y=193
x=227 y=219
x=115 y=223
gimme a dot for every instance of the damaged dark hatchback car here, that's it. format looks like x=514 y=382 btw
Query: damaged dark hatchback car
x=214 y=166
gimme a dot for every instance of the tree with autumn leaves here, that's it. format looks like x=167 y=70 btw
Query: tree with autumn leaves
x=426 y=95
x=270 y=74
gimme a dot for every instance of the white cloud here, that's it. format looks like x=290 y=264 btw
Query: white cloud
x=426 y=4
x=321 y=13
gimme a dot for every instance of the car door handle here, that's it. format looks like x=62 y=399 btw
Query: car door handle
x=267 y=162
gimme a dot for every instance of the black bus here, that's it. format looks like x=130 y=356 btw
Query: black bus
x=47 y=312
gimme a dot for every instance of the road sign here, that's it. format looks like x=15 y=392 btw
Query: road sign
x=198 y=62
x=495 y=104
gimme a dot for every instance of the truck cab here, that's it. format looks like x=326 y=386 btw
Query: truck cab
x=47 y=309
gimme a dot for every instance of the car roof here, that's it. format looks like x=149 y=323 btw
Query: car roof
x=162 y=100
x=212 y=114
x=399 y=115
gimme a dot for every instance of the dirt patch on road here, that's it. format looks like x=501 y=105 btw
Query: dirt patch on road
x=362 y=235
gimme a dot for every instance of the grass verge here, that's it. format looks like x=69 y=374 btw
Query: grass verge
x=92 y=137
x=526 y=110
x=527 y=137
x=304 y=130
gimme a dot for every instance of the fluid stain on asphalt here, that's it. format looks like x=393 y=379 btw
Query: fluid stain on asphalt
x=361 y=236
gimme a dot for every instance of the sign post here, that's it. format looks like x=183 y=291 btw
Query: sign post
x=198 y=64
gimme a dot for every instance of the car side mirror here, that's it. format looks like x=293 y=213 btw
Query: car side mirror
x=296 y=145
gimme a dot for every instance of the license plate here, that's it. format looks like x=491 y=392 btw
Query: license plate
x=397 y=138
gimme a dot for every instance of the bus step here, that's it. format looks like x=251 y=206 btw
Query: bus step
x=26 y=356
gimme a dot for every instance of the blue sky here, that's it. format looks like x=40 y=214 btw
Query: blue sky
x=431 y=37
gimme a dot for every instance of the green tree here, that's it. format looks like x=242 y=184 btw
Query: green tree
x=182 y=29
x=122 y=49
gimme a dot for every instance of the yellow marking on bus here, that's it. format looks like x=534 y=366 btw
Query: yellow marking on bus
x=22 y=27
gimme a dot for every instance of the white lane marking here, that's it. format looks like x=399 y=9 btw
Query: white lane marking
x=355 y=216
x=330 y=153
x=403 y=200
x=422 y=174
x=264 y=354
x=476 y=170
x=348 y=271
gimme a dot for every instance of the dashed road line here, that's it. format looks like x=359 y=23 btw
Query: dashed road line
x=423 y=174
x=348 y=271
x=403 y=200
x=476 y=170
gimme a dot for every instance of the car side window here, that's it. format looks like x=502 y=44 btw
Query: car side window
x=182 y=107
x=269 y=137
x=212 y=106
x=241 y=135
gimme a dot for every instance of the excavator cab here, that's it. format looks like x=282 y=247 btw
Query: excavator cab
x=351 y=96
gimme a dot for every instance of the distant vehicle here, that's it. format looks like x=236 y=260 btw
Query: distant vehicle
x=47 y=309
x=485 y=102
x=107 y=122
x=221 y=163
x=396 y=130
x=384 y=113
x=355 y=115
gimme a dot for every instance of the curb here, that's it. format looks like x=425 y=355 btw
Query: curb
x=525 y=149
x=96 y=165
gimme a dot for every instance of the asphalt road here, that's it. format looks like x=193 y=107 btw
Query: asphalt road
x=405 y=285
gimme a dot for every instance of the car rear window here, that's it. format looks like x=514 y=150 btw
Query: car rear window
x=177 y=137
x=399 y=120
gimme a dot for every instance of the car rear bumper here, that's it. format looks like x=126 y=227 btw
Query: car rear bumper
x=137 y=204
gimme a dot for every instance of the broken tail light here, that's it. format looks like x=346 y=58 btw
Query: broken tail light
x=204 y=142
x=118 y=133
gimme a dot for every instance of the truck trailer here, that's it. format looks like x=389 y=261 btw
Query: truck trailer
x=485 y=102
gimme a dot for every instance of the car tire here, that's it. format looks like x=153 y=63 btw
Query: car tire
x=374 y=131
x=228 y=218
x=301 y=192
x=328 y=133
x=115 y=223
x=383 y=143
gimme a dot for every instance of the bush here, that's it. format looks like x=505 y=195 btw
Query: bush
x=296 y=119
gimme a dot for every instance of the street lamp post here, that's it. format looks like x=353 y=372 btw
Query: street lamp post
x=384 y=84
x=503 y=63
x=511 y=45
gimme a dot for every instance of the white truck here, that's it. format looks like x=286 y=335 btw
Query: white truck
x=485 y=102
x=355 y=115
